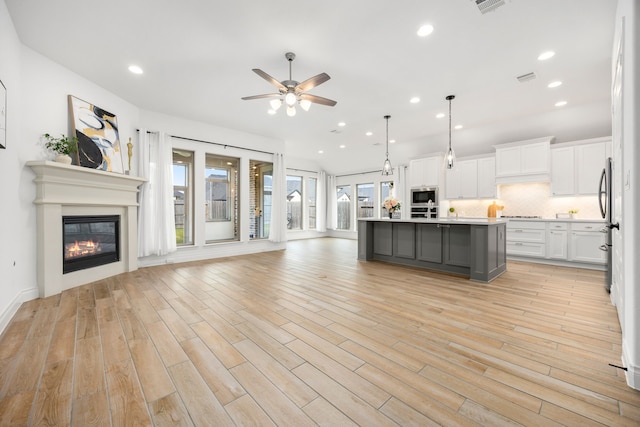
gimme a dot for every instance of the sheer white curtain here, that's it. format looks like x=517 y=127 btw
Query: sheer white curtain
x=156 y=219
x=332 y=220
x=278 y=228
x=321 y=202
x=402 y=192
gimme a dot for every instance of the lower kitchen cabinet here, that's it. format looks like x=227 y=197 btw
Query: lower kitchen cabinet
x=570 y=242
x=526 y=238
x=557 y=239
x=585 y=242
x=429 y=243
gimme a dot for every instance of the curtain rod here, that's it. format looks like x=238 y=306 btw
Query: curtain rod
x=358 y=173
x=302 y=170
x=214 y=143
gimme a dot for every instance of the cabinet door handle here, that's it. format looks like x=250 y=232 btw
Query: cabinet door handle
x=518 y=244
x=589 y=227
x=604 y=230
x=604 y=248
x=518 y=230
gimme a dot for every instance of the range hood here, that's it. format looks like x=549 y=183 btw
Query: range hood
x=524 y=161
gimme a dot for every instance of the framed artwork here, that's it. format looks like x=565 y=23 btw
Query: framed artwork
x=98 y=136
x=3 y=115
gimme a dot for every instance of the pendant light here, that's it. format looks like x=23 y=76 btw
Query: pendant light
x=386 y=168
x=450 y=157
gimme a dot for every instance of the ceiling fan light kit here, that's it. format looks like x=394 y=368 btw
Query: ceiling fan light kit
x=290 y=92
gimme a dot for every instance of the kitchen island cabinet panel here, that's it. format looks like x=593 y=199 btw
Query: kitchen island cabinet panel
x=404 y=242
x=429 y=243
x=383 y=238
x=456 y=250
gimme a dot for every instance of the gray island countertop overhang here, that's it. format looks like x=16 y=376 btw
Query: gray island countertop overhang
x=443 y=220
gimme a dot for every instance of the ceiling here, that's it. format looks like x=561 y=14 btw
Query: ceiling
x=197 y=57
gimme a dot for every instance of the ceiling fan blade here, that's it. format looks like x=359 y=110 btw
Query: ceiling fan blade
x=270 y=79
x=318 y=99
x=312 y=82
x=266 y=95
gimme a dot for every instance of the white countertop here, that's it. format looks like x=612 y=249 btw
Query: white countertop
x=558 y=219
x=444 y=220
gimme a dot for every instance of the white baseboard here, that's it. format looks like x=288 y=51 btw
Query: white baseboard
x=14 y=305
x=632 y=373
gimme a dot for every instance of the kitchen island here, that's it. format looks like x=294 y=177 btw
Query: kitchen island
x=473 y=247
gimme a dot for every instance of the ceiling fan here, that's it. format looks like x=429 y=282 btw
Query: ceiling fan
x=290 y=91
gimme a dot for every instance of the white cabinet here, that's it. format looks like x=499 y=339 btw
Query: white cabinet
x=585 y=241
x=557 y=238
x=526 y=238
x=471 y=179
x=487 y=178
x=590 y=160
x=461 y=181
x=575 y=169
x=526 y=161
x=425 y=172
x=563 y=171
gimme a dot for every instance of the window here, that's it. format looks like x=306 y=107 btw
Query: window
x=311 y=196
x=385 y=191
x=260 y=178
x=221 y=198
x=294 y=202
x=365 y=200
x=183 y=196
x=343 y=196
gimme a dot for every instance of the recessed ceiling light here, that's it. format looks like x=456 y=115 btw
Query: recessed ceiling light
x=341 y=124
x=439 y=115
x=546 y=55
x=554 y=84
x=425 y=30
x=561 y=103
x=343 y=146
x=414 y=100
x=369 y=133
x=271 y=111
x=392 y=141
x=135 y=69
x=320 y=152
x=458 y=127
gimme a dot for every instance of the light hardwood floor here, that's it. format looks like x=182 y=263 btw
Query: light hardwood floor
x=311 y=336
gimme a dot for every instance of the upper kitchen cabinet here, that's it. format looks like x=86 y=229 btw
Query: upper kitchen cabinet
x=425 y=172
x=471 y=179
x=524 y=161
x=576 y=166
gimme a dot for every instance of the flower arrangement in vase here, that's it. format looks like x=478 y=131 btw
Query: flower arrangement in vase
x=392 y=205
x=62 y=146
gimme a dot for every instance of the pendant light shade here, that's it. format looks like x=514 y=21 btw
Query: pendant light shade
x=450 y=157
x=387 y=169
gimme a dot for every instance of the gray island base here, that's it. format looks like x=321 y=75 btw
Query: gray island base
x=475 y=248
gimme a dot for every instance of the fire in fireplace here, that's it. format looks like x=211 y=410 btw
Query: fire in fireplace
x=89 y=241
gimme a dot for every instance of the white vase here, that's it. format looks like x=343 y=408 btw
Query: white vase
x=63 y=158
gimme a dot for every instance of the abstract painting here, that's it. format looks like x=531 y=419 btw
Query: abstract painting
x=3 y=115
x=98 y=136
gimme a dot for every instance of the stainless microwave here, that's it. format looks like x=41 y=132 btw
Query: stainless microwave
x=424 y=196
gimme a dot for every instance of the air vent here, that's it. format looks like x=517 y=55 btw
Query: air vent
x=488 y=5
x=526 y=77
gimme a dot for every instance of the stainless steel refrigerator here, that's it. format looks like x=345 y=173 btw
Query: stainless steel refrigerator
x=605 y=200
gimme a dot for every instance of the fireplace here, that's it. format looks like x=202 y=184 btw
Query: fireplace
x=89 y=241
x=99 y=202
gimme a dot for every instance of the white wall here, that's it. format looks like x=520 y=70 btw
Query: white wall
x=17 y=258
x=628 y=298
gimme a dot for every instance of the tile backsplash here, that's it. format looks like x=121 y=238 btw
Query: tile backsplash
x=529 y=199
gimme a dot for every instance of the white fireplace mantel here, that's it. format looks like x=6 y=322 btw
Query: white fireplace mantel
x=63 y=190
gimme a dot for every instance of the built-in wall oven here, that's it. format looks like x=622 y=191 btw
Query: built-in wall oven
x=424 y=202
